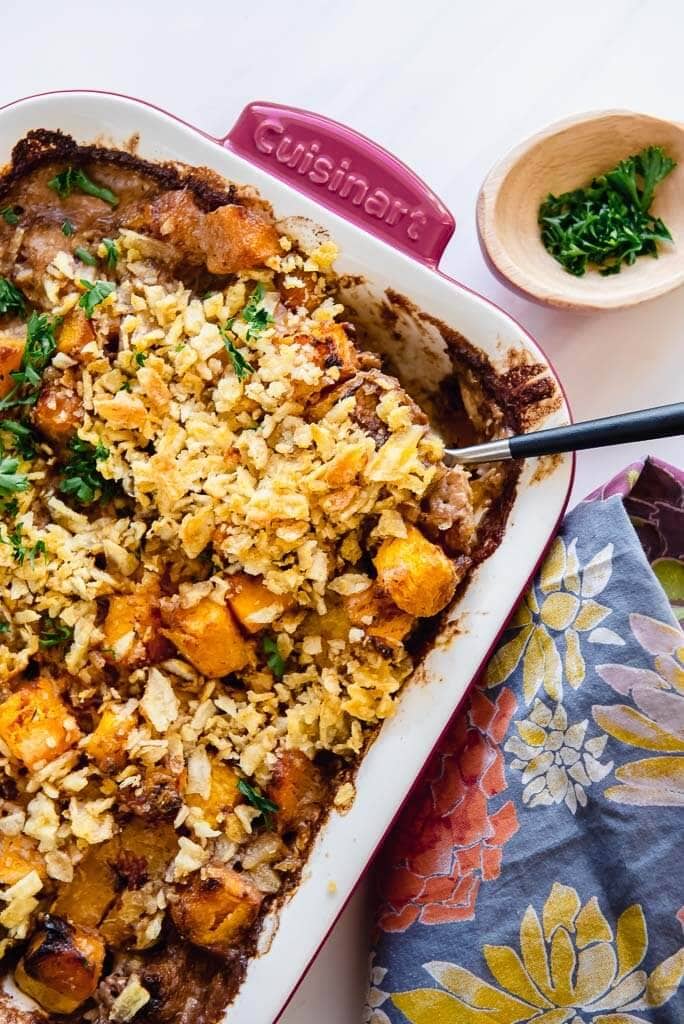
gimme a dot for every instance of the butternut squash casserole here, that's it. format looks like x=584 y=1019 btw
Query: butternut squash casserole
x=221 y=526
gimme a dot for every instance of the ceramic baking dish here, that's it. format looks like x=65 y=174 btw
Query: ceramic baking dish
x=391 y=230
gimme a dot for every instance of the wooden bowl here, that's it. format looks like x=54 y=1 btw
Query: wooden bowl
x=565 y=156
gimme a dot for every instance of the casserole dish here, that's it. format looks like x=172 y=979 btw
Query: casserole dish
x=415 y=317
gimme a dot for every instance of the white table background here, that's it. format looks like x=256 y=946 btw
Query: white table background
x=448 y=87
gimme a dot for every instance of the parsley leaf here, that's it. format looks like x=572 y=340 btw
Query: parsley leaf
x=140 y=358
x=10 y=480
x=72 y=178
x=607 y=223
x=14 y=539
x=68 y=228
x=254 y=315
x=10 y=215
x=275 y=660
x=112 y=253
x=39 y=349
x=54 y=632
x=11 y=299
x=24 y=440
x=258 y=800
x=240 y=365
x=94 y=294
x=37 y=549
x=4 y=626
x=84 y=256
x=81 y=477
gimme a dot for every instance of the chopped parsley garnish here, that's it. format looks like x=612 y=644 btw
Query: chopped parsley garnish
x=80 y=477
x=11 y=299
x=240 y=365
x=84 y=256
x=24 y=440
x=112 y=253
x=10 y=480
x=75 y=178
x=39 y=349
x=37 y=550
x=68 y=228
x=275 y=660
x=607 y=223
x=95 y=293
x=254 y=315
x=140 y=358
x=4 y=626
x=258 y=800
x=54 y=632
x=14 y=539
x=126 y=386
x=10 y=215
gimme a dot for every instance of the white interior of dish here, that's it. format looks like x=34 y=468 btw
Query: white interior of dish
x=346 y=844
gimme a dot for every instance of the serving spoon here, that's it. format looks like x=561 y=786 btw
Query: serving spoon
x=642 y=425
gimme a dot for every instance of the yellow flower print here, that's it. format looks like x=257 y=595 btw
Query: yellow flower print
x=560 y=610
x=571 y=968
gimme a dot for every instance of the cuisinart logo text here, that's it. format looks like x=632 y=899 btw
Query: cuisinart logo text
x=337 y=176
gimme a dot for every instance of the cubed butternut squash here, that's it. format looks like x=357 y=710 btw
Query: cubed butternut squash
x=373 y=611
x=75 y=333
x=18 y=856
x=333 y=624
x=85 y=900
x=223 y=795
x=61 y=966
x=416 y=574
x=157 y=847
x=134 y=856
x=106 y=745
x=11 y=354
x=132 y=627
x=297 y=788
x=333 y=347
x=36 y=724
x=143 y=855
x=120 y=927
x=253 y=604
x=216 y=907
x=234 y=237
x=208 y=636
x=58 y=412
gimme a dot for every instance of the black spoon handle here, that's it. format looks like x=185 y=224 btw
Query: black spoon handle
x=643 y=425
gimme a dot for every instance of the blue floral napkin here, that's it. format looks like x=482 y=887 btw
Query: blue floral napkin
x=536 y=874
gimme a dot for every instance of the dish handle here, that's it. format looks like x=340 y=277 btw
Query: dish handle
x=347 y=173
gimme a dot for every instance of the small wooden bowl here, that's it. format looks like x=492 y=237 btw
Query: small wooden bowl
x=565 y=156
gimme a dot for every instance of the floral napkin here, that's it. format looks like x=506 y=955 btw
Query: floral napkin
x=537 y=872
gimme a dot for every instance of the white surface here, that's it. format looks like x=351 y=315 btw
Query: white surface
x=446 y=86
